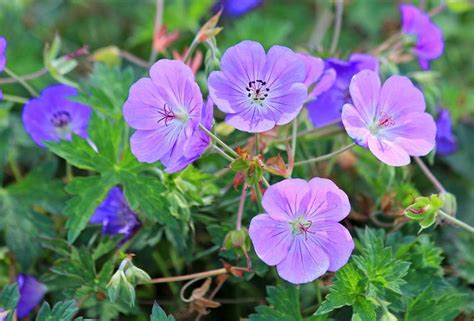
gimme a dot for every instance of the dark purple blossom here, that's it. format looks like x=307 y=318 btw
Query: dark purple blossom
x=300 y=233
x=53 y=116
x=318 y=78
x=115 y=215
x=389 y=120
x=258 y=90
x=3 y=60
x=31 y=294
x=328 y=106
x=236 y=8
x=429 y=42
x=446 y=142
x=165 y=110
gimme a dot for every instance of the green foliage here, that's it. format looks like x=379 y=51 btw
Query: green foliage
x=158 y=314
x=62 y=311
x=8 y=300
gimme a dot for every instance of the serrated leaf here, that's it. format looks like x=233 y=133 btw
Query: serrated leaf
x=158 y=314
x=285 y=305
x=9 y=297
x=62 y=311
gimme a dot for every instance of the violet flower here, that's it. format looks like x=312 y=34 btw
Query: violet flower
x=390 y=120
x=256 y=90
x=3 y=58
x=31 y=294
x=115 y=215
x=300 y=233
x=327 y=108
x=318 y=78
x=53 y=116
x=196 y=145
x=429 y=42
x=165 y=110
x=236 y=8
x=446 y=142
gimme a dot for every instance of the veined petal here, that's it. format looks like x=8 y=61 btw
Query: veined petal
x=355 y=125
x=283 y=68
x=399 y=95
x=388 y=152
x=151 y=145
x=327 y=202
x=270 y=238
x=286 y=200
x=365 y=90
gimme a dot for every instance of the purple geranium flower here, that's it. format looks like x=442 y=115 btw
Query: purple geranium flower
x=446 y=142
x=258 y=90
x=236 y=8
x=53 y=116
x=300 y=233
x=318 y=78
x=3 y=60
x=390 y=120
x=115 y=215
x=429 y=38
x=31 y=294
x=327 y=108
x=196 y=145
x=165 y=110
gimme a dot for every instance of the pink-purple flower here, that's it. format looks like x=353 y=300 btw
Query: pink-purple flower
x=3 y=60
x=318 y=78
x=446 y=142
x=53 y=116
x=258 y=90
x=390 y=120
x=300 y=233
x=327 y=107
x=115 y=215
x=165 y=110
x=31 y=294
x=429 y=42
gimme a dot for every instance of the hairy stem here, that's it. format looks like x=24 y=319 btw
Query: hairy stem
x=156 y=29
x=324 y=157
x=240 y=212
x=198 y=275
x=220 y=142
x=133 y=59
x=451 y=219
x=430 y=175
x=223 y=153
x=294 y=135
x=34 y=75
x=29 y=88
x=190 y=50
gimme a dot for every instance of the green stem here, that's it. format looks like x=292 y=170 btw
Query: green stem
x=265 y=182
x=191 y=50
x=14 y=168
x=240 y=211
x=69 y=174
x=30 y=89
x=257 y=144
x=15 y=99
x=319 y=296
x=455 y=221
x=223 y=153
x=34 y=75
x=324 y=157
x=214 y=137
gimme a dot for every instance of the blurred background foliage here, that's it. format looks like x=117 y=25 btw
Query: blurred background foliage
x=206 y=206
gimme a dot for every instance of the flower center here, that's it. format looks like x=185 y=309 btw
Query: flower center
x=166 y=114
x=383 y=121
x=60 y=119
x=257 y=90
x=301 y=226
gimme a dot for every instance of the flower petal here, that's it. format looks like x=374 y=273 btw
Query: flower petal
x=327 y=202
x=324 y=83
x=305 y=262
x=399 y=95
x=365 y=90
x=228 y=96
x=271 y=239
x=151 y=145
x=31 y=294
x=388 y=152
x=335 y=240
x=285 y=200
x=355 y=125
x=287 y=105
x=283 y=68
x=252 y=119
x=414 y=132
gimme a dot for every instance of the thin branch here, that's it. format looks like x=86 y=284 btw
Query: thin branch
x=337 y=25
x=157 y=26
x=34 y=75
x=240 y=211
x=430 y=175
x=133 y=59
x=324 y=157
x=15 y=99
x=28 y=87
x=218 y=140
x=455 y=221
x=198 y=275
